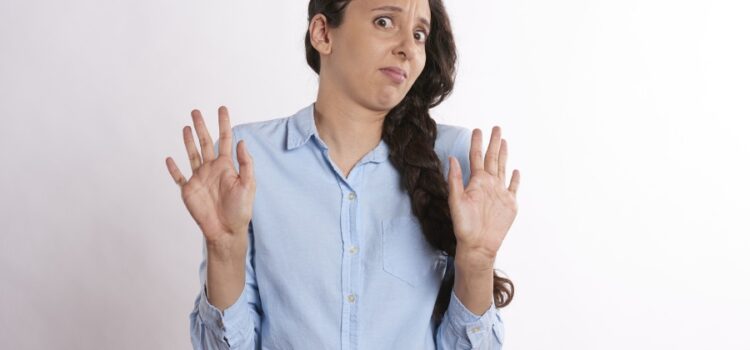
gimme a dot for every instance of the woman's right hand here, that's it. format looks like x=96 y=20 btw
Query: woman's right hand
x=219 y=199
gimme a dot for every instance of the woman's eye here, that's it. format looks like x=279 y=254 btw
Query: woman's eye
x=381 y=20
x=384 y=21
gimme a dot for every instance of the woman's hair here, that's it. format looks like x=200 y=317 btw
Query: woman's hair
x=410 y=134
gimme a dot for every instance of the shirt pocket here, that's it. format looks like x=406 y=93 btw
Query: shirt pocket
x=406 y=253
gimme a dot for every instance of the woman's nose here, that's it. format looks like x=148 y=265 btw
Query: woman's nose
x=407 y=45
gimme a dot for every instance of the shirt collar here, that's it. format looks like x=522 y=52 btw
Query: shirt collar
x=301 y=127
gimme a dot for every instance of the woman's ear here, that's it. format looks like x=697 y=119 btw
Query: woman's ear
x=320 y=34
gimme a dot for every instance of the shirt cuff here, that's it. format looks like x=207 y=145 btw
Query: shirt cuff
x=474 y=327
x=229 y=325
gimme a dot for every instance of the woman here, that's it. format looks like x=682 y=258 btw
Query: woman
x=347 y=235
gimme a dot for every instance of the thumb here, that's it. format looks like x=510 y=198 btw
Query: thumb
x=455 y=179
x=247 y=175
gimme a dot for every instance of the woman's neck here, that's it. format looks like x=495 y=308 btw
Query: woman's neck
x=349 y=130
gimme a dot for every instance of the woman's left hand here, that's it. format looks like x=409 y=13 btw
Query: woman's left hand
x=482 y=212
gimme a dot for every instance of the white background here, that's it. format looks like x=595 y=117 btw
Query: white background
x=627 y=120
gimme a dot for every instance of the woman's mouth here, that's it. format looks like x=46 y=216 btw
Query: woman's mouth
x=395 y=76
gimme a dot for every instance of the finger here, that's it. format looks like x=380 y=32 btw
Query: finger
x=195 y=158
x=515 y=180
x=247 y=175
x=175 y=172
x=455 y=179
x=225 y=132
x=493 y=150
x=475 y=152
x=502 y=161
x=207 y=145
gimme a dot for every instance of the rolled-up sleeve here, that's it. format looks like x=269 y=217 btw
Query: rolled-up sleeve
x=238 y=326
x=462 y=329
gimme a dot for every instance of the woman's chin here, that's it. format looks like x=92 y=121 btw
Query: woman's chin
x=389 y=99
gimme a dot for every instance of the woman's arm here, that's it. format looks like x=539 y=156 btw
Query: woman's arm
x=238 y=325
x=462 y=328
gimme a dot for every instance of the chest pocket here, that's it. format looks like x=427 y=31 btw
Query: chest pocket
x=406 y=253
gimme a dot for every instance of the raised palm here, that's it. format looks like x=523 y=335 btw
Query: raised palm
x=219 y=200
x=484 y=210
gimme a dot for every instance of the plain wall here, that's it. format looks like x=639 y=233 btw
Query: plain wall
x=627 y=119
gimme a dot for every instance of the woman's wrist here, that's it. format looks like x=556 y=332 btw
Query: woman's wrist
x=227 y=250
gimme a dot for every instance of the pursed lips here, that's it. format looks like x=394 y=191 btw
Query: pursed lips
x=396 y=70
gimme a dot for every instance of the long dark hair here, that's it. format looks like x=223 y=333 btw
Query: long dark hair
x=410 y=134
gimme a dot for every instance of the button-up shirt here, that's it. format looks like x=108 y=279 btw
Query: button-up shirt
x=335 y=261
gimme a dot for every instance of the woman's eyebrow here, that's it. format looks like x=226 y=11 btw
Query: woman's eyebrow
x=398 y=9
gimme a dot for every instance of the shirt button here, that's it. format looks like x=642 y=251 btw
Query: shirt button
x=475 y=329
x=353 y=250
x=352 y=195
x=351 y=298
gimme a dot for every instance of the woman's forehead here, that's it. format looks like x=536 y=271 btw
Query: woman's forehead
x=421 y=7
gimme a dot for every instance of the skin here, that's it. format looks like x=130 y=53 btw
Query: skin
x=482 y=214
x=353 y=99
x=354 y=96
x=221 y=202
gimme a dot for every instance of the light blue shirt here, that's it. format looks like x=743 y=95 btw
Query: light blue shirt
x=337 y=262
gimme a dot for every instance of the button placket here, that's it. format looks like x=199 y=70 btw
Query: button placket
x=475 y=334
x=350 y=264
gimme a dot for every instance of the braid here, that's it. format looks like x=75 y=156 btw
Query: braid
x=411 y=141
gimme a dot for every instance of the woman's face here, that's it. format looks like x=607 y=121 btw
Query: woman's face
x=375 y=35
